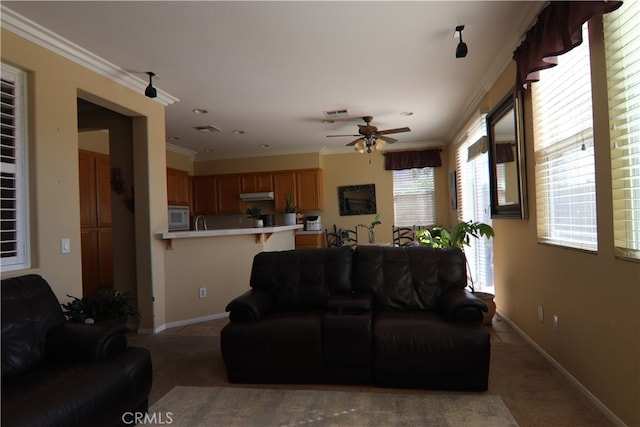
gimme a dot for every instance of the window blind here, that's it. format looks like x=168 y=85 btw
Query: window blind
x=414 y=197
x=622 y=52
x=472 y=167
x=13 y=213
x=564 y=152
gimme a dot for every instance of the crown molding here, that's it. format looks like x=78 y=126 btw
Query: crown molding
x=181 y=150
x=57 y=44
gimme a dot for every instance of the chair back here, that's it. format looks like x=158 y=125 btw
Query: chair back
x=404 y=236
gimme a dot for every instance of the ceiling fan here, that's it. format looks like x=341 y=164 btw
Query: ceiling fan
x=370 y=138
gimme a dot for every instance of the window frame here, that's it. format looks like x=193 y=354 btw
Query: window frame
x=22 y=259
x=430 y=194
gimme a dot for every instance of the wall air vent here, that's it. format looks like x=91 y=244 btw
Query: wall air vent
x=336 y=113
x=207 y=128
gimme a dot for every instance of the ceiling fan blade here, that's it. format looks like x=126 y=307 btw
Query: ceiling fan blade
x=354 y=142
x=397 y=130
x=332 y=136
x=387 y=139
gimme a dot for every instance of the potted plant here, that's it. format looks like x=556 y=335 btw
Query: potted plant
x=459 y=237
x=289 y=210
x=102 y=305
x=255 y=212
x=371 y=228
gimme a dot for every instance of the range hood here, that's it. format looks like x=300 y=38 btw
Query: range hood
x=254 y=197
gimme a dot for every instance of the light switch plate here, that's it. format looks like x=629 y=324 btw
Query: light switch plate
x=65 y=246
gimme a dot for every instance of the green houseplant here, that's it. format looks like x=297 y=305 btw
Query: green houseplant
x=104 y=304
x=458 y=237
x=289 y=210
x=255 y=212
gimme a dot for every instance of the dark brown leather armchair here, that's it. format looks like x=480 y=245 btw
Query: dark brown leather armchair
x=58 y=373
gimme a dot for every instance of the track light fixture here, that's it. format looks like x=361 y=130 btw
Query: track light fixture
x=461 y=49
x=151 y=91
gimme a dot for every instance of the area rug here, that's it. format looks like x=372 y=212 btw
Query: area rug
x=243 y=407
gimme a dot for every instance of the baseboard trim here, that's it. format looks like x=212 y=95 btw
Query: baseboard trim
x=185 y=322
x=592 y=398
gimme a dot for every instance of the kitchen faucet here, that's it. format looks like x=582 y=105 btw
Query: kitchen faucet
x=196 y=220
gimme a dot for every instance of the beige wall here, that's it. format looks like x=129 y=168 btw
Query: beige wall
x=179 y=161
x=259 y=164
x=54 y=84
x=219 y=264
x=596 y=296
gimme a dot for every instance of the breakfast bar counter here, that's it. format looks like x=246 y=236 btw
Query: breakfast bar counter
x=262 y=233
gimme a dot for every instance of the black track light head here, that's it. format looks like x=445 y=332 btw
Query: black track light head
x=151 y=91
x=461 y=49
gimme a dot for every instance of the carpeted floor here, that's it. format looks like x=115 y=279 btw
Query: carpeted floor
x=248 y=407
x=534 y=391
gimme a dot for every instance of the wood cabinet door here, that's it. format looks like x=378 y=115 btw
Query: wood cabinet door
x=177 y=187
x=256 y=182
x=204 y=195
x=283 y=183
x=103 y=191
x=309 y=195
x=88 y=202
x=228 y=190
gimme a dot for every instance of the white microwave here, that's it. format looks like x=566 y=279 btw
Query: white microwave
x=179 y=218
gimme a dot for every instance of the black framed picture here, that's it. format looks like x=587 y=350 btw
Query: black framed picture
x=357 y=199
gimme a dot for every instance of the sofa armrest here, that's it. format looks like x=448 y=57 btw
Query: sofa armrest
x=252 y=305
x=352 y=303
x=77 y=342
x=460 y=305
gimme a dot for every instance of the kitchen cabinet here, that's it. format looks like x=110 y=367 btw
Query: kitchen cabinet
x=228 y=194
x=95 y=220
x=283 y=183
x=205 y=201
x=177 y=187
x=309 y=194
x=306 y=240
x=256 y=182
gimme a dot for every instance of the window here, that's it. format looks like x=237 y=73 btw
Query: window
x=622 y=51
x=472 y=167
x=414 y=197
x=564 y=152
x=14 y=252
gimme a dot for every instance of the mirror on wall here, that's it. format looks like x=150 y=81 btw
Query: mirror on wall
x=506 y=159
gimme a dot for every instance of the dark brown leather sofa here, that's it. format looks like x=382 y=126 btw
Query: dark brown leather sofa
x=388 y=316
x=58 y=373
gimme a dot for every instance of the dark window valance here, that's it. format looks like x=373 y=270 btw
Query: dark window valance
x=557 y=31
x=397 y=160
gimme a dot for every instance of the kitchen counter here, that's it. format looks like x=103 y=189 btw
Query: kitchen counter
x=260 y=233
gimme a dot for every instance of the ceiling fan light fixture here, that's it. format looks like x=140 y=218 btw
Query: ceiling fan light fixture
x=151 y=91
x=461 y=49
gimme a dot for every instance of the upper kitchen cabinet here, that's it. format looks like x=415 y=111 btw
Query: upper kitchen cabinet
x=256 y=182
x=228 y=193
x=178 y=190
x=283 y=183
x=305 y=186
x=205 y=201
x=309 y=195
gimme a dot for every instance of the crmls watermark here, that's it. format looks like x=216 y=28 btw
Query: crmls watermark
x=142 y=418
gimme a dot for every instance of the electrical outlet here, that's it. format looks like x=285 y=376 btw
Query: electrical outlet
x=556 y=323
x=203 y=292
x=540 y=314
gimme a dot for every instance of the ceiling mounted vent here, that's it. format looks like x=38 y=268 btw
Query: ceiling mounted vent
x=207 y=128
x=336 y=113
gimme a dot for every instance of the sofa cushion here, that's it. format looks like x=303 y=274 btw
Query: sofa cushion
x=29 y=310
x=303 y=278
x=407 y=278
